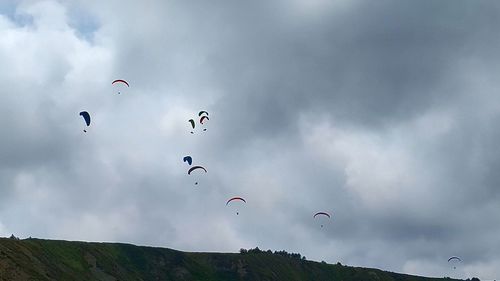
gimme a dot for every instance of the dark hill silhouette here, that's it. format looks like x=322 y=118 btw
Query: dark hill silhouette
x=37 y=259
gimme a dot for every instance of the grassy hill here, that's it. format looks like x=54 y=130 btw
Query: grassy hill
x=36 y=259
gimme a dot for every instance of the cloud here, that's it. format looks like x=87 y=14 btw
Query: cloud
x=383 y=114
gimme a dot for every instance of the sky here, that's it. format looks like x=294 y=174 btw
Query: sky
x=382 y=113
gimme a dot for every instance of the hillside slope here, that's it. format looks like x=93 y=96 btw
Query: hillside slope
x=36 y=259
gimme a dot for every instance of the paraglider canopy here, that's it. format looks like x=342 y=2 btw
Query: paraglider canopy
x=188 y=159
x=195 y=168
x=121 y=81
x=325 y=214
x=202 y=112
x=322 y=213
x=203 y=119
x=86 y=117
x=192 y=124
x=235 y=198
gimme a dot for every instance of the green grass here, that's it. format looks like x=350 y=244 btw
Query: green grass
x=36 y=259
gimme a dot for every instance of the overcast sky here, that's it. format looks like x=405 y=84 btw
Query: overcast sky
x=383 y=113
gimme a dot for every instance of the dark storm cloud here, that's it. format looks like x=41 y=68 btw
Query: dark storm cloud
x=377 y=64
x=374 y=64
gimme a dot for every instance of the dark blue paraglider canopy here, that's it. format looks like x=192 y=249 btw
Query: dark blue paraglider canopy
x=86 y=117
x=188 y=159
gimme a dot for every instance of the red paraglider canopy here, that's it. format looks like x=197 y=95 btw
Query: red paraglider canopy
x=203 y=119
x=235 y=198
x=122 y=81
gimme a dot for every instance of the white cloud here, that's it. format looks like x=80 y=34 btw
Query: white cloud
x=311 y=108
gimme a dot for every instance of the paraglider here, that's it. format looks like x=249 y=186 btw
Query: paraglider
x=235 y=199
x=196 y=168
x=188 y=159
x=192 y=124
x=322 y=214
x=121 y=82
x=86 y=117
x=454 y=261
x=203 y=119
